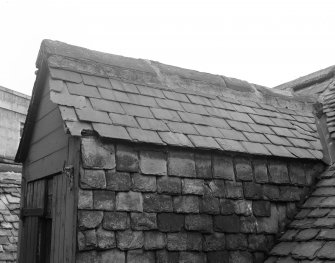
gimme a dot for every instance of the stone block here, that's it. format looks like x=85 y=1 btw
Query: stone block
x=130 y=239
x=153 y=162
x=118 y=181
x=92 y=179
x=143 y=221
x=271 y=192
x=229 y=224
x=261 y=208
x=243 y=207
x=193 y=186
x=193 y=257
x=186 y=204
x=194 y=241
x=216 y=188
x=209 y=205
x=234 y=190
x=96 y=155
x=218 y=257
x=85 y=199
x=223 y=167
x=154 y=240
x=129 y=201
x=170 y=222
x=169 y=185
x=181 y=164
x=105 y=239
x=227 y=206
x=164 y=256
x=290 y=193
x=240 y=256
x=214 y=242
x=115 y=221
x=260 y=171
x=126 y=159
x=258 y=243
x=252 y=190
x=268 y=225
x=112 y=256
x=176 y=241
x=203 y=165
x=140 y=256
x=157 y=203
x=200 y=223
x=278 y=173
x=143 y=183
x=87 y=257
x=297 y=174
x=87 y=240
x=243 y=169
x=89 y=219
x=104 y=200
x=236 y=241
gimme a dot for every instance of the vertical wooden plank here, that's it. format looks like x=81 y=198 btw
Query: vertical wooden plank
x=63 y=217
x=54 y=221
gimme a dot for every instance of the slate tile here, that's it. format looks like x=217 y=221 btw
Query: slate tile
x=261 y=128
x=154 y=92
x=283 y=132
x=180 y=127
x=256 y=137
x=326 y=234
x=230 y=145
x=327 y=251
x=306 y=234
x=318 y=212
x=96 y=81
x=175 y=96
x=219 y=113
x=68 y=100
x=144 y=136
x=116 y=84
x=240 y=126
x=136 y=110
x=142 y=100
x=300 y=153
x=152 y=124
x=76 y=128
x=278 y=140
x=193 y=118
x=208 y=131
x=83 y=90
x=218 y=122
x=199 y=100
x=129 y=87
x=204 y=142
x=56 y=85
x=222 y=104
x=306 y=250
x=111 y=131
x=163 y=114
x=233 y=135
x=92 y=116
x=175 y=139
x=281 y=123
x=316 y=154
x=261 y=120
x=299 y=143
x=193 y=108
x=65 y=75
x=113 y=95
x=279 y=150
x=124 y=120
x=255 y=148
x=242 y=117
x=169 y=104
x=283 y=248
x=105 y=105
x=68 y=113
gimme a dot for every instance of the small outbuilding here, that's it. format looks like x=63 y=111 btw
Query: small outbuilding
x=130 y=160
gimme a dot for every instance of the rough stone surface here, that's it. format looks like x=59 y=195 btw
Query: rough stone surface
x=143 y=221
x=193 y=186
x=186 y=204
x=105 y=239
x=278 y=173
x=223 y=167
x=169 y=185
x=103 y=200
x=115 y=221
x=143 y=183
x=152 y=162
x=85 y=199
x=92 y=179
x=154 y=240
x=112 y=256
x=243 y=170
x=89 y=219
x=201 y=223
x=126 y=159
x=203 y=165
x=181 y=164
x=157 y=203
x=118 y=181
x=170 y=222
x=129 y=201
x=130 y=239
x=139 y=256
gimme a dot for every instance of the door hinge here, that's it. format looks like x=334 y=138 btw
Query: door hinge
x=69 y=171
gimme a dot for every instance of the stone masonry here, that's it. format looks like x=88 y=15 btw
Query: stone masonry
x=159 y=204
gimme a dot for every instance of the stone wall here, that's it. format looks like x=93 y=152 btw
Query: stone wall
x=139 y=204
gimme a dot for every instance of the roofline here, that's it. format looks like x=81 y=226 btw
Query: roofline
x=308 y=80
x=14 y=92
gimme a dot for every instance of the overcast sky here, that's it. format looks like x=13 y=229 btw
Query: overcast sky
x=267 y=42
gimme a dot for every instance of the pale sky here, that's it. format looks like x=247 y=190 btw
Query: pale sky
x=267 y=42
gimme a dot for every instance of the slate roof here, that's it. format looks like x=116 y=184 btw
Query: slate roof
x=311 y=236
x=146 y=101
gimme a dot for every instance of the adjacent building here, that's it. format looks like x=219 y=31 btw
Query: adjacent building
x=131 y=160
x=13 y=111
